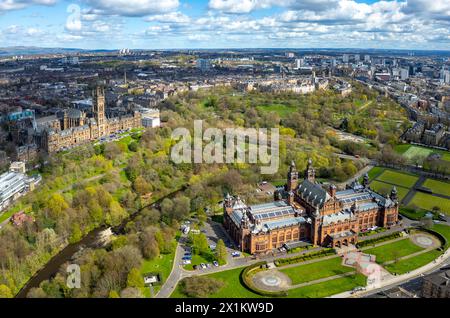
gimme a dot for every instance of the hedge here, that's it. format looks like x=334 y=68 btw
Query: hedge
x=379 y=239
x=305 y=257
x=248 y=283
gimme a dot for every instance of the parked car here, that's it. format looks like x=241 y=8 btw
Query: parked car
x=186 y=258
x=202 y=265
x=195 y=267
x=235 y=254
x=208 y=265
x=216 y=264
x=186 y=261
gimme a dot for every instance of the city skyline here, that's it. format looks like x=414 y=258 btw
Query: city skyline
x=173 y=24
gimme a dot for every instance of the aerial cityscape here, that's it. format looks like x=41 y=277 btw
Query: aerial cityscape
x=250 y=149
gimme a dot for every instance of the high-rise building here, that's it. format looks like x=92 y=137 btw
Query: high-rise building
x=204 y=65
x=404 y=73
x=366 y=58
x=357 y=57
x=445 y=76
x=299 y=63
x=345 y=58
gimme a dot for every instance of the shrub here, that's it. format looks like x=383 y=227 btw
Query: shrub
x=305 y=257
x=379 y=239
x=200 y=286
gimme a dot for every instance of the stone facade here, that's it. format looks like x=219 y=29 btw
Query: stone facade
x=306 y=211
x=72 y=127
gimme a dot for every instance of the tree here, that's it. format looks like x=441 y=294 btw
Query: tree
x=200 y=243
x=5 y=292
x=221 y=252
x=200 y=286
x=113 y=294
x=112 y=150
x=133 y=146
x=135 y=279
x=131 y=292
x=76 y=233
x=141 y=186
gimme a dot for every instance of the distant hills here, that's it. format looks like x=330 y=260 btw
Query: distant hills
x=32 y=50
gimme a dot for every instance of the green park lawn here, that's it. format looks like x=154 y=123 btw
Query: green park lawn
x=329 y=288
x=385 y=188
x=232 y=287
x=409 y=264
x=391 y=251
x=282 y=110
x=428 y=202
x=398 y=178
x=162 y=265
x=309 y=272
x=375 y=172
x=438 y=186
x=411 y=151
x=444 y=230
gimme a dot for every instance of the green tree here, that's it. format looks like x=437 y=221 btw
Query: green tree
x=5 y=292
x=221 y=252
x=76 y=233
x=113 y=294
x=135 y=279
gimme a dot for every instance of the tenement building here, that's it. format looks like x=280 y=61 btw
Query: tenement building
x=306 y=211
x=72 y=127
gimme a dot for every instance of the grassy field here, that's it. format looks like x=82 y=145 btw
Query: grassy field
x=444 y=230
x=329 y=288
x=428 y=202
x=282 y=110
x=410 y=151
x=437 y=186
x=234 y=289
x=391 y=251
x=232 y=286
x=398 y=178
x=309 y=272
x=384 y=188
x=162 y=265
x=407 y=265
x=375 y=172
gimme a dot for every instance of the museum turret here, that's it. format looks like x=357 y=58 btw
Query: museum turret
x=310 y=173
x=394 y=194
x=292 y=181
x=365 y=181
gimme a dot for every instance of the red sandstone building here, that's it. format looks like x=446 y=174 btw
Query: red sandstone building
x=304 y=211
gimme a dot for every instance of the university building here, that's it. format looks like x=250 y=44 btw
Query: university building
x=306 y=211
x=72 y=127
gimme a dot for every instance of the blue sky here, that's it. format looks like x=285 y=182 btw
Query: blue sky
x=158 y=24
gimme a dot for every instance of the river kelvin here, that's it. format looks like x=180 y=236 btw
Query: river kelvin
x=89 y=241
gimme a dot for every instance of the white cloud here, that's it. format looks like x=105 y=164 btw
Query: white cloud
x=132 y=8
x=172 y=17
x=8 y=5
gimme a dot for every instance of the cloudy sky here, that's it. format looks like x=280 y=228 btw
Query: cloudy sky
x=156 y=24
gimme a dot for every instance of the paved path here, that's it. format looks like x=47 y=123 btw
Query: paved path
x=412 y=192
